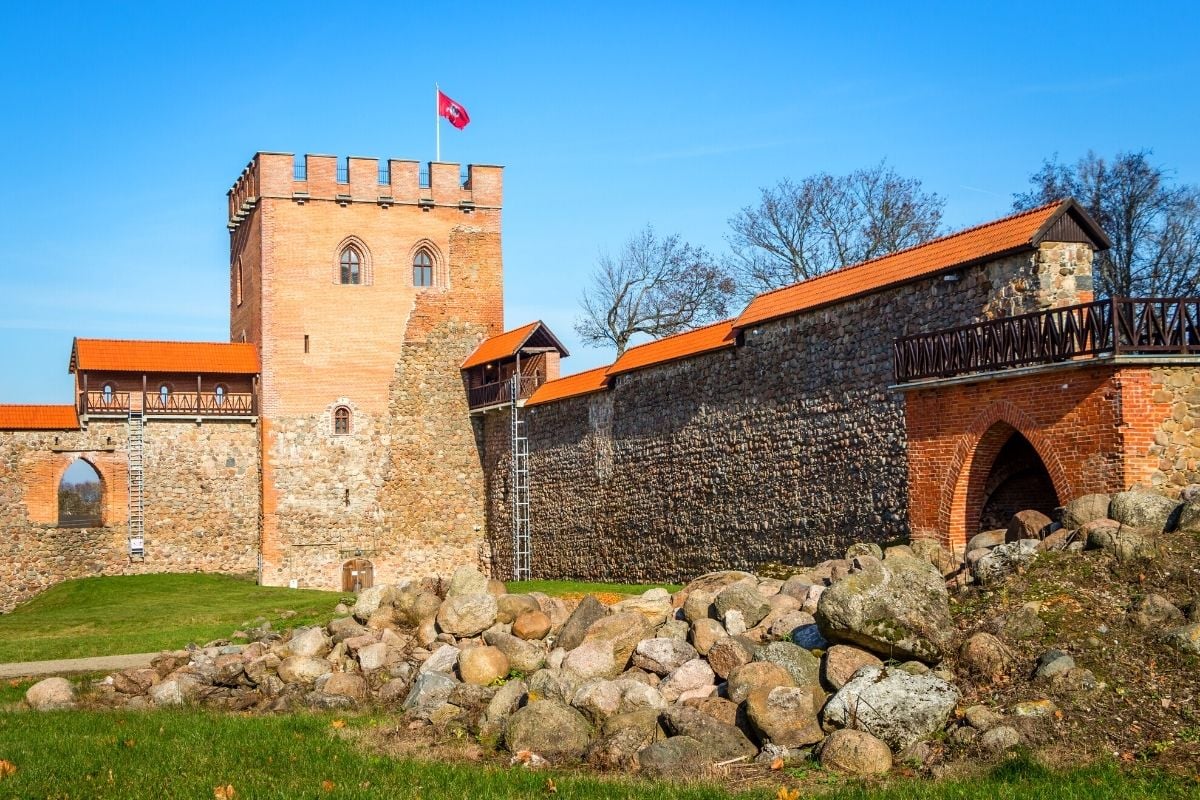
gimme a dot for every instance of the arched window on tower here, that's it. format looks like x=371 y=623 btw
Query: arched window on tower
x=351 y=264
x=341 y=421
x=237 y=289
x=422 y=268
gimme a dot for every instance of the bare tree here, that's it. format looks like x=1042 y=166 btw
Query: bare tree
x=655 y=286
x=800 y=230
x=1154 y=224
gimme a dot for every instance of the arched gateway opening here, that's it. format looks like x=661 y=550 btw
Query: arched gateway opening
x=1017 y=480
x=357 y=574
x=80 y=497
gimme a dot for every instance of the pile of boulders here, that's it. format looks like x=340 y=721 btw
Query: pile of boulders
x=841 y=660
x=1129 y=525
x=847 y=661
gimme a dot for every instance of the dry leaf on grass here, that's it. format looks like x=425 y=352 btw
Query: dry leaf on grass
x=550 y=787
x=777 y=764
x=785 y=793
x=327 y=785
x=7 y=768
x=225 y=792
x=338 y=723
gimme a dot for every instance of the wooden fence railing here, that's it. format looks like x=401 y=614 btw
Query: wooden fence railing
x=491 y=394
x=1120 y=325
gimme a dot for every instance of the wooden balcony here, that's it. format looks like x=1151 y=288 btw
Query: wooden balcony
x=500 y=392
x=1115 y=327
x=183 y=404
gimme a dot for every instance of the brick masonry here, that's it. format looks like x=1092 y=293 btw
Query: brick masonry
x=403 y=488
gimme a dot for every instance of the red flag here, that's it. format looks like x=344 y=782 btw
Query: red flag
x=452 y=111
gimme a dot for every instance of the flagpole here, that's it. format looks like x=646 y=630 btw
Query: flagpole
x=437 y=116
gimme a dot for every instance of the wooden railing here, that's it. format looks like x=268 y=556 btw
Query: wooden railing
x=490 y=394
x=96 y=403
x=1117 y=326
x=203 y=404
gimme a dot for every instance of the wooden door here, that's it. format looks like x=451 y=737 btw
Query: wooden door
x=357 y=574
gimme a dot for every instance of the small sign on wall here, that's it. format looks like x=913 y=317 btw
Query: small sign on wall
x=293 y=584
x=135 y=546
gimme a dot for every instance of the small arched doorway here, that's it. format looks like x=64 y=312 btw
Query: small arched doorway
x=80 y=496
x=357 y=574
x=1016 y=480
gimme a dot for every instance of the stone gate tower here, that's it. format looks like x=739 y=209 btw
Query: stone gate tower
x=365 y=284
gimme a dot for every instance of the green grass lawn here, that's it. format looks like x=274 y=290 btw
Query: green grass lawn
x=145 y=613
x=556 y=588
x=187 y=753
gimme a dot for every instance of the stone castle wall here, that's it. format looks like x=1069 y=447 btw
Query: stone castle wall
x=785 y=448
x=201 y=506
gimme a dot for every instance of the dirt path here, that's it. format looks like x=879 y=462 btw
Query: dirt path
x=21 y=669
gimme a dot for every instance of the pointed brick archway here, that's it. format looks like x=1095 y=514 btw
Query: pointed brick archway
x=964 y=490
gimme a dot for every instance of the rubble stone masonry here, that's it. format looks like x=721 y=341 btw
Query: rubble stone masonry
x=201 y=507
x=785 y=448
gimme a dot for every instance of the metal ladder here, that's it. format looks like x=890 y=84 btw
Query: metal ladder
x=522 y=544
x=137 y=485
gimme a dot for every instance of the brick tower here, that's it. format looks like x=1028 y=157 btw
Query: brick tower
x=365 y=284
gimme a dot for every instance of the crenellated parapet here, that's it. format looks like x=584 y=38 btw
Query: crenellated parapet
x=355 y=179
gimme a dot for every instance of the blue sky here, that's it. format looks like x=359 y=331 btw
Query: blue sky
x=125 y=127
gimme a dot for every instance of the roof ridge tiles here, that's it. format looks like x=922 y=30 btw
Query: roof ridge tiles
x=910 y=248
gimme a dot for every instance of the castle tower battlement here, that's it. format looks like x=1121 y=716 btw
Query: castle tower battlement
x=355 y=179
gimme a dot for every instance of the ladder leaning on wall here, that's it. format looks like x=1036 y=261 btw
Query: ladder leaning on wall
x=519 y=467
x=137 y=485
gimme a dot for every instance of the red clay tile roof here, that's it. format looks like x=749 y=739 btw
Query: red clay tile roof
x=989 y=240
x=717 y=336
x=503 y=346
x=594 y=380
x=38 y=418
x=118 y=355
x=508 y=343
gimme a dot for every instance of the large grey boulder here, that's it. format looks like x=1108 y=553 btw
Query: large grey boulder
x=729 y=653
x=443 y=659
x=167 y=693
x=552 y=730
x=622 y=631
x=303 y=669
x=893 y=705
x=467 y=614
x=369 y=600
x=1003 y=560
x=503 y=704
x=623 y=737
x=309 y=642
x=576 y=627
x=803 y=666
x=1140 y=509
x=429 y=692
x=1084 y=509
x=687 y=679
x=1124 y=543
x=674 y=756
x=467 y=580
x=744 y=598
x=720 y=740
x=50 y=694
x=592 y=660
x=662 y=656
x=898 y=609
